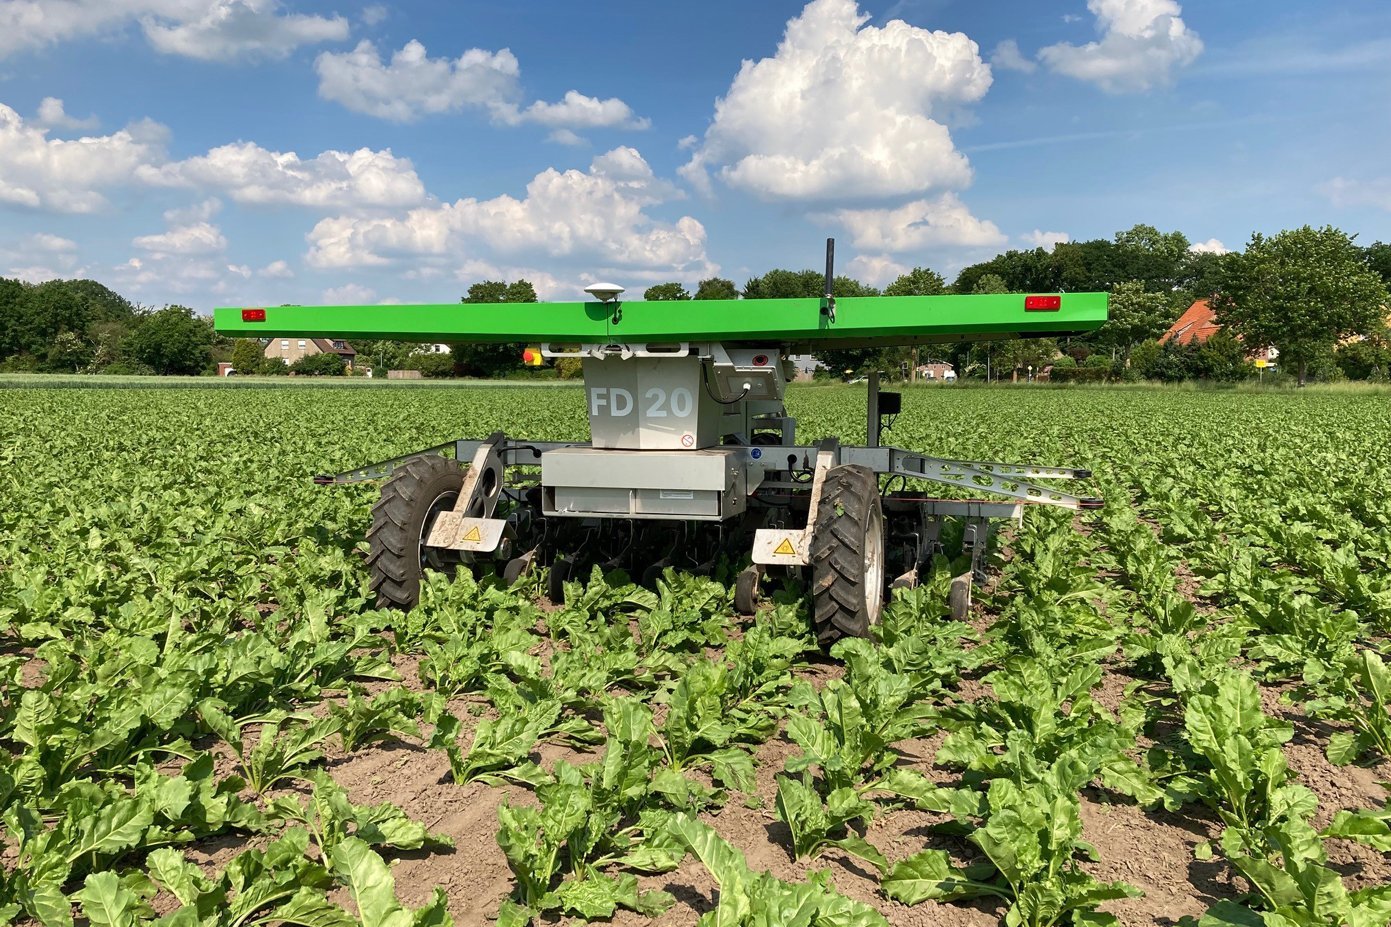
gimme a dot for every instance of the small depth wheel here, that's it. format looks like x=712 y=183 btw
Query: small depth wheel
x=560 y=575
x=415 y=494
x=847 y=555
x=746 y=591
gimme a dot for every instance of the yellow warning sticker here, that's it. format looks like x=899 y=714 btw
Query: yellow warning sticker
x=473 y=535
x=785 y=549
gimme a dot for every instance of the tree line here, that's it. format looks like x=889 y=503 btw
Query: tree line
x=80 y=326
x=1314 y=294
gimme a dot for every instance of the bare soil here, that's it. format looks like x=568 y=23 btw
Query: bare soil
x=1152 y=850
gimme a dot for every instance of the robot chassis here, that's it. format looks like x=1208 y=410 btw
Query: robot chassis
x=693 y=458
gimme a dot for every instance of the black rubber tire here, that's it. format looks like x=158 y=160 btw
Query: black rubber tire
x=848 y=514
x=515 y=569
x=959 y=596
x=417 y=491
x=746 y=591
x=555 y=583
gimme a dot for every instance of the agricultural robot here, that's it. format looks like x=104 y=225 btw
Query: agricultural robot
x=692 y=456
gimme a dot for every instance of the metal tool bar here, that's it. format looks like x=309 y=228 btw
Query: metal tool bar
x=1025 y=471
x=383 y=468
x=906 y=463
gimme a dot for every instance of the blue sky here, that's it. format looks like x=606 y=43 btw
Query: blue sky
x=225 y=152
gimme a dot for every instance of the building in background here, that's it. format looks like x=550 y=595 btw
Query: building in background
x=1199 y=323
x=292 y=349
x=937 y=370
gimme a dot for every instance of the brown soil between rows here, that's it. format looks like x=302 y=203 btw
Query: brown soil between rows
x=1151 y=850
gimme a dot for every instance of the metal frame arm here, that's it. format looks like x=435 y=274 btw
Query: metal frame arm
x=997 y=478
x=1019 y=471
x=382 y=468
x=899 y=462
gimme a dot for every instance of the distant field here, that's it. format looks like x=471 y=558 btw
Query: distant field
x=1173 y=704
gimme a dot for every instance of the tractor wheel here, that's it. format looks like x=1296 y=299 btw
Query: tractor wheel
x=847 y=555
x=415 y=494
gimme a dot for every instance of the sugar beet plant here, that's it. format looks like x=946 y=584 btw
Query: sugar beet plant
x=191 y=654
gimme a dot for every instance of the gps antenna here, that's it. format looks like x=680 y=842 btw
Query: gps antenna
x=828 y=302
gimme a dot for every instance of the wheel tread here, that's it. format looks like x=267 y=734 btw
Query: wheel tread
x=849 y=496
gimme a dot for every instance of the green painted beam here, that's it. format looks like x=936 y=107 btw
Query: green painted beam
x=860 y=321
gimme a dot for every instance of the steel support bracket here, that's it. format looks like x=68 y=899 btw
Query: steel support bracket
x=789 y=547
x=470 y=525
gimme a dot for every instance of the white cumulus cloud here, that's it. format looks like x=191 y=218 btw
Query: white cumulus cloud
x=1008 y=56
x=596 y=214
x=944 y=221
x=227 y=29
x=1045 y=240
x=72 y=175
x=206 y=29
x=43 y=241
x=1211 y=246
x=52 y=115
x=577 y=111
x=1142 y=43
x=412 y=84
x=276 y=270
x=1345 y=191
x=548 y=287
x=248 y=173
x=41 y=256
x=68 y=175
x=844 y=110
x=194 y=238
x=349 y=294
x=875 y=269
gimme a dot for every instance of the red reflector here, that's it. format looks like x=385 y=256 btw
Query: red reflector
x=253 y=315
x=1042 y=303
x=760 y=360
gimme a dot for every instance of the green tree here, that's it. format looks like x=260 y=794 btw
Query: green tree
x=12 y=295
x=1134 y=315
x=786 y=284
x=171 y=340
x=716 y=288
x=665 y=291
x=32 y=317
x=917 y=282
x=1368 y=359
x=319 y=365
x=106 y=339
x=491 y=360
x=1156 y=259
x=1379 y=260
x=69 y=353
x=811 y=284
x=1221 y=358
x=247 y=356
x=431 y=366
x=1302 y=291
x=1034 y=271
x=1202 y=275
x=382 y=356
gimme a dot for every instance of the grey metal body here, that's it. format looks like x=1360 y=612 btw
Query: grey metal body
x=699 y=433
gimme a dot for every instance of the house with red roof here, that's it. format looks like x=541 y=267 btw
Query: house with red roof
x=1199 y=323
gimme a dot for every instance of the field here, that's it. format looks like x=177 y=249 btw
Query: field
x=1175 y=707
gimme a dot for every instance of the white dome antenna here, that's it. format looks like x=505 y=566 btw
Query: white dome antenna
x=604 y=292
